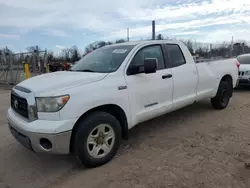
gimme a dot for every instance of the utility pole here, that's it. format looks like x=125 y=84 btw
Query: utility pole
x=232 y=46
x=128 y=34
x=153 y=30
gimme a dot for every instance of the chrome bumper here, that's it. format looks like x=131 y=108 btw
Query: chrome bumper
x=60 y=142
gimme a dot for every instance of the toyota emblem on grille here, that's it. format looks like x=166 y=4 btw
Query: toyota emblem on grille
x=16 y=104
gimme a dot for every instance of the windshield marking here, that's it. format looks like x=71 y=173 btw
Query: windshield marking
x=120 y=51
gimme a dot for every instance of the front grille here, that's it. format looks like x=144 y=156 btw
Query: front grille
x=241 y=73
x=19 y=105
x=244 y=81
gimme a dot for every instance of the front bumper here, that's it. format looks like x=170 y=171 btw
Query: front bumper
x=60 y=141
x=244 y=81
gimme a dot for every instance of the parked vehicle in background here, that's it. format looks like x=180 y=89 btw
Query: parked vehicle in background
x=58 y=66
x=67 y=66
x=55 y=66
x=88 y=110
x=244 y=70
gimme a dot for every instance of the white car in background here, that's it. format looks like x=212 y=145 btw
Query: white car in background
x=244 y=69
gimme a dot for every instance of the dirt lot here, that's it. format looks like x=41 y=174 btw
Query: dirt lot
x=193 y=147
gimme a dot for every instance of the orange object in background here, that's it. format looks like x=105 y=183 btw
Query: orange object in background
x=26 y=70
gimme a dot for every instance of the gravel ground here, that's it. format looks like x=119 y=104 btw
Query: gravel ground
x=193 y=147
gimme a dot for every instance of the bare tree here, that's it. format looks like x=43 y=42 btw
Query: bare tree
x=65 y=54
x=75 y=54
x=189 y=45
x=33 y=48
x=159 y=37
x=120 y=41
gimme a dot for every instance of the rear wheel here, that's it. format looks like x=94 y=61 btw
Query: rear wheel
x=97 y=139
x=222 y=98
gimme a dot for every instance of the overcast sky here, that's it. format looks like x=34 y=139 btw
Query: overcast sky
x=54 y=24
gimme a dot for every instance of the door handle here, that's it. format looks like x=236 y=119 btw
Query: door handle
x=167 y=76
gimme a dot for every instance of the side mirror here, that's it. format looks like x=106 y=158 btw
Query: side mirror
x=150 y=65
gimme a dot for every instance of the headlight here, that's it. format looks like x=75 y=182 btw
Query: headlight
x=247 y=72
x=51 y=104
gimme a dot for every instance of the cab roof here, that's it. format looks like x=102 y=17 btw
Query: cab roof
x=134 y=43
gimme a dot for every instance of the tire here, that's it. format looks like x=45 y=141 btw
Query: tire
x=92 y=138
x=222 y=98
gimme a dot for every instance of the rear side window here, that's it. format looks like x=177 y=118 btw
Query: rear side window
x=175 y=55
x=244 y=59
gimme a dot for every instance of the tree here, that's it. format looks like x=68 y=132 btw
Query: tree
x=109 y=43
x=101 y=44
x=120 y=41
x=98 y=44
x=50 y=57
x=5 y=51
x=93 y=46
x=33 y=48
x=203 y=52
x=75 y=54
x=65 y=54
x=159 y=37
x=189 y=45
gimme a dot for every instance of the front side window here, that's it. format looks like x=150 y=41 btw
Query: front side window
x=103 y=60
x=149 y=52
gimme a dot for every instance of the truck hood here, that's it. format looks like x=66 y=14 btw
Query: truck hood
x=51 y=83
x=244 y=67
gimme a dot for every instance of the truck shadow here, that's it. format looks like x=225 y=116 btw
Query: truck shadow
x=242 y=89
x=166 y=123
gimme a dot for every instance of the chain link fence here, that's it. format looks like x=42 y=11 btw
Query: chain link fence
x=211 y=51
x=12 y=65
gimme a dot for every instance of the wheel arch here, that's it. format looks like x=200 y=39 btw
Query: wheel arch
x=227 y=78
x=112 y=109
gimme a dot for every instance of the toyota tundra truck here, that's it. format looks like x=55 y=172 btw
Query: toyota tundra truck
x=88 y=110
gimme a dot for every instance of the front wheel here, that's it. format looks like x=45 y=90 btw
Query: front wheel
x=97 y=139
x=222 y=98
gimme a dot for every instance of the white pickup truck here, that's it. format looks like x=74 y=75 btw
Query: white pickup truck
x=88 y=110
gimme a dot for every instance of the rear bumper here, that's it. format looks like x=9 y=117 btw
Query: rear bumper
x=60 y=142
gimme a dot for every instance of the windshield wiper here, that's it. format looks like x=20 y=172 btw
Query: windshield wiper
x=87 y=70
x=84 y=70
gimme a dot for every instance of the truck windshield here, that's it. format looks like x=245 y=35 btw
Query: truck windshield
x=103 y=60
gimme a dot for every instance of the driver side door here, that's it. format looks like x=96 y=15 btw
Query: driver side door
x=150 y=95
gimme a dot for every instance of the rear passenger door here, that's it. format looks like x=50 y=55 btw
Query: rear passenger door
x=185 y=77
